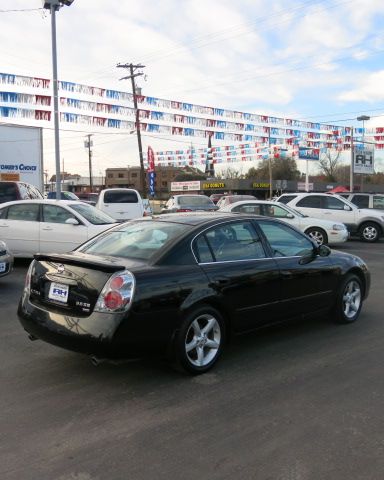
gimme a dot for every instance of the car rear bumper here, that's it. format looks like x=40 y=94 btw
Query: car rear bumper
x=109 y=336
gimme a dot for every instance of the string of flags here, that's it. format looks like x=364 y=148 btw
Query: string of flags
x=112 y=109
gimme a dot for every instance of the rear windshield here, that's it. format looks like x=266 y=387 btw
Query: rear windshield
x=92 y=214
x=197 y=200
x=136 y=240
x=8 y=192
x=120 y=197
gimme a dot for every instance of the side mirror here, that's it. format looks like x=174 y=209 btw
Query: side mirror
x=72 y=221
x=290 y=215
x=347 y=208
x=323 y=250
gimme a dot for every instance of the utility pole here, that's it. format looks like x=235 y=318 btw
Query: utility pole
x=132 y=69
x=270 y=164
x=88 y=144
x=351 y=186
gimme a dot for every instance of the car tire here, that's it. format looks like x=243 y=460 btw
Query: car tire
x=349 y=300
x=199 y=341
x=317 y=234
x=369 y=232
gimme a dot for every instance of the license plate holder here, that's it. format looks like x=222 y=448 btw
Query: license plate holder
x=58 y=292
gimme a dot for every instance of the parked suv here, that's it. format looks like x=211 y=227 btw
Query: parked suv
x=365 y=200
x=368 y=224
x=10 y=191
x=121 y=203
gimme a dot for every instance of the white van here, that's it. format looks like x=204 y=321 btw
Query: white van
x=121 y=203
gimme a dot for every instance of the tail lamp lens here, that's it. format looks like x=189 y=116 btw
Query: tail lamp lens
x=117 y=293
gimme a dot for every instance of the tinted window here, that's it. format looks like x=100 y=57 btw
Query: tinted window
x=333 y=203
x=286 y=198
x=197 y=200
x=139 y=240
x=362 y=201
x=202 y=250
x=25 y=212
x=235 y=241
x=284 y=241
x=120 y=197
x=311 y=201
x=8 y=192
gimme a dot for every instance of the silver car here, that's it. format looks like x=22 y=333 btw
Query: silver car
x=6 y=259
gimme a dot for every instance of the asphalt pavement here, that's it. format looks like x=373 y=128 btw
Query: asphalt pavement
x=294 y=402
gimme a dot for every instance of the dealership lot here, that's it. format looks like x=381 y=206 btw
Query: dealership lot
x=301 y=401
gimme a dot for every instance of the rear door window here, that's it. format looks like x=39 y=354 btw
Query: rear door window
x=286 y=198
x=361 y=201
x=27 y=212
x=311 y=201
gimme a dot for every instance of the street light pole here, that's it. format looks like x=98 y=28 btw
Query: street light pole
x=53 y=6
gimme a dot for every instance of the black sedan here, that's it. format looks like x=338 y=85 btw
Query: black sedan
x=182 y=284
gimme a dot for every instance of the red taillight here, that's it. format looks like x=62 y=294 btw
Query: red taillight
x=113 y=300
x=116 y=283
x=183 y=210
x=117 y=293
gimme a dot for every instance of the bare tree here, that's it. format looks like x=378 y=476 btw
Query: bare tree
x=329 y=165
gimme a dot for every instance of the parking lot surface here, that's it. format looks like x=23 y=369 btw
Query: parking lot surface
x=294 y=402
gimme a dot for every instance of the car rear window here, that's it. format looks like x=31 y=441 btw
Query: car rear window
x=120 y=197
x=8 y=192
x=198 y=200
x=136 y=240
x=286 y=198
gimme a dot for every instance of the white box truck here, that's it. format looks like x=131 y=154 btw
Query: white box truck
x=21 y=155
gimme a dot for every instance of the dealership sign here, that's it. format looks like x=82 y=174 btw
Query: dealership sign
x=185 y=186
x=363 y=160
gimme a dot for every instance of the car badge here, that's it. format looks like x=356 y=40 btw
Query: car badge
x=60 y=268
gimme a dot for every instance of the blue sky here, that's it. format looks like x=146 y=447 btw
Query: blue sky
x=302 y=59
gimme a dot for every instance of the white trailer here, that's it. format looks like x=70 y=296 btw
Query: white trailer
x=21 y=154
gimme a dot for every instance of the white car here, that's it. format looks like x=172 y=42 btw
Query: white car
x=322 y=231
x=43 y=226
x=367 y=223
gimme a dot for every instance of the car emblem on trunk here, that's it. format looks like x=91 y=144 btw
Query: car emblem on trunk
x=60 y=268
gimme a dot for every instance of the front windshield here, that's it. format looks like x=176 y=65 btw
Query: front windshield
x=92 y=214
x=136 y=240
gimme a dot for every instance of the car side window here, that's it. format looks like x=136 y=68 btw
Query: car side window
x=248 y=208
x=361 y=201
x=55 y=214
x=234 y=241
x=275 y=211
x=286 y=198
x=333 y=203
x=203 y=251
x=285 y=241
x=311 y=201
x=27 y=213
x=378 y=202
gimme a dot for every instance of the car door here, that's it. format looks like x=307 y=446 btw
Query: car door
x=307 y=287
x=233 y=257
x=19 y=228
x=56 y=235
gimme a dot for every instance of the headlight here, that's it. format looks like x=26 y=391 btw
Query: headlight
x=339 y=227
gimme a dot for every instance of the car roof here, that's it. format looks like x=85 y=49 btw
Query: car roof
x=44 y=201
x=196 y=218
